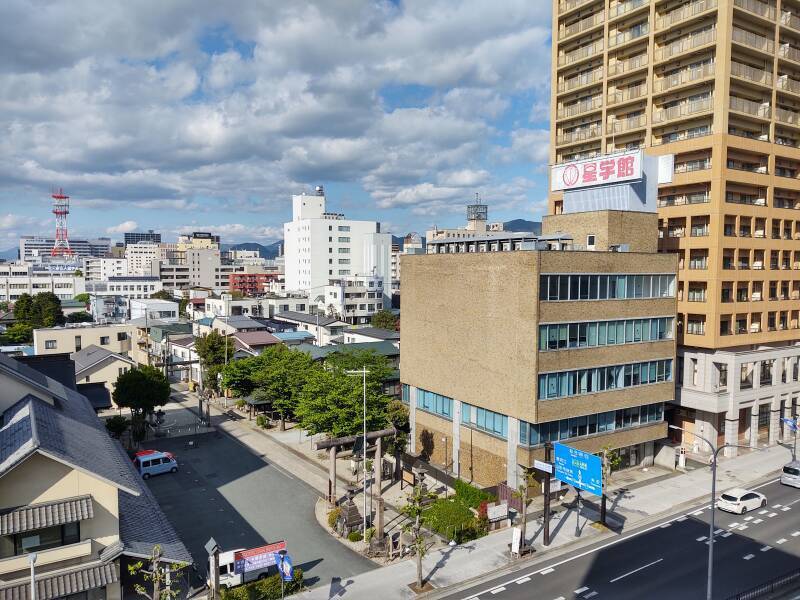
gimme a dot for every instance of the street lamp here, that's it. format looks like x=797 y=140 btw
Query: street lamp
x=715 y=451
x=363 y=372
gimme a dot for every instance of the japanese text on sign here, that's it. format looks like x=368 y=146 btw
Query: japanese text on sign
x=578 y=468
x=254 y=559
x=596 y=171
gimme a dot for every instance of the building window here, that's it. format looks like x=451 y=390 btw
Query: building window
x=435 y=403
x=344 y=240
x=344 y=228
x=590 y=242
x=600 y=379
x=49 y=537
x=558 y=336
x=484 y=419
x=104 y=340
x=50 y=344
x=406 y=394
x=553 y=287
x=122 y=336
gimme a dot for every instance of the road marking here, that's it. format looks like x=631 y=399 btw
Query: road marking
x=743 y=527
x=700 y=539
x=546 y=571
x=718 y=531
x=559 y=598
x=665 y=525
x=770 y=515
x=777 y=505
x=795 y=533
x=762 y=512
x=785 y=508
x=698 y=513
x=766 y=548
x=748 y=518
x=757 y=521
x=680 y=519
x=498 y=590
x=522 y=580
x=749 y=556
x=581 y=590
x=590 y=595
x=781 y=541
x=735 y=524
x=655 y=562
x=793 y=502
x=726 y=534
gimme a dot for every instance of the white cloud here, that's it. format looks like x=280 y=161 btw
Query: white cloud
x=124 y=227
x=12 y=221
x=236 y=232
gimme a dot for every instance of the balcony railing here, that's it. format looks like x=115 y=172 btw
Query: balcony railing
x=790 y=52
x=686 y=199
x=681 y=110
x=788 y=84
x=580 y=80
x=630 y=93
x=580 y=107
x=579 y=135
x=570 y=4
x=743 y=105
x=580 y=53
x=686 y=43
x=627 y=124
x=791 y=20
x=693 y=165
x=684 y=12
x=582 y=25
x=625 y=7
x=753 y=40
x=623 y=66
x=627 y=36
x=768 y=11
x=683 y=76
x=751 y=73
x=789 y=117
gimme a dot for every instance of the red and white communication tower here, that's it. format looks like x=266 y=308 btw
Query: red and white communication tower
x=61 y=210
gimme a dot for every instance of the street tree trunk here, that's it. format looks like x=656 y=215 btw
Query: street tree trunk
x=418 y=543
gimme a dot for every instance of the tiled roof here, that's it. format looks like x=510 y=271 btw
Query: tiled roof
x=64 y=583
x=90 y=356
x=256 y=338
x=241 y=322
x=374 y=332
x=293 y=335
x=384 y=348
x=46 y=514
x=291 y=315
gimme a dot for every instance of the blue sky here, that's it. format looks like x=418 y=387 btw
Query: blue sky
x=187 y=115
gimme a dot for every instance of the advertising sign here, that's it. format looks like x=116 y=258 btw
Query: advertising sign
x=285 y=567
x=256 y=558
x=516 y=539
x=578 y=468
x=621 y=167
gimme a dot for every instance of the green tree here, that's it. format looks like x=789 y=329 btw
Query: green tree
x=418 y=500
x=159 y=575
x=332 y=403
x=141 y=390
x=46 y=310
x=85 y=298
x=281 y=379
x=19 y=333
x=239 y=375
x=78 y=273
x=384 y=319
x=211 y=350
x=117 y=425
x=182 y=306
x=162 y=295
x=236 y=295
x=79 y=317
x=348 y=359
x=4 y=306
x=23 y=308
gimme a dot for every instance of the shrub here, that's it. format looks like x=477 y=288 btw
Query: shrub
x=261 y=421
x=451 y=519
x=333 y=517
x=117 y=425
x=355 y=536
x=268 y=588
x=240 y=404
x=471 y=495
x=370 y=533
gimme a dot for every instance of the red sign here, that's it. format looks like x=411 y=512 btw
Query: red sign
x=596 y=171
x=268 y=549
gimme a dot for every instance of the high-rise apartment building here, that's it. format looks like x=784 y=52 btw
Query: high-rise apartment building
x=716 y=83
x=32 y=248
x=140 y=257
x=134 y=237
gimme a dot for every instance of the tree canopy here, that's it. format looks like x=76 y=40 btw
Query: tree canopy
x=162 y=295
x=41 y=310
x=141 y=390
x=211 y=351
x=79 y=317
x=384 y=319
x=348 y=359
x=84 y=297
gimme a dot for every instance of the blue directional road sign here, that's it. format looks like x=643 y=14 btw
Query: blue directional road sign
x=578 y=468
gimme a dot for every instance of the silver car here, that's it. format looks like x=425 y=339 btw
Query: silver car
x=791 y=474
x=740 y=500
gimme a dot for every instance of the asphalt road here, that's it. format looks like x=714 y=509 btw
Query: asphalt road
x=667 y=559
x=224 y=490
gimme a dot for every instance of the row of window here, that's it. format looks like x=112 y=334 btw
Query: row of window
x=434 y=403
x=605 y=287
x=484 y=419
x=599 y=379
x=533 y=434
x=557 y=336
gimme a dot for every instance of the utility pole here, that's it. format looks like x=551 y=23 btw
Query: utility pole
x=548 y=457
x=603 y=495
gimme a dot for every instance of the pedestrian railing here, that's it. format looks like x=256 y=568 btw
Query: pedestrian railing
x=770 y=587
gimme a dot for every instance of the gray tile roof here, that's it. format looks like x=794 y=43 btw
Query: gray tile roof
x=241 y=322
x=299 y=317
x=90 y=356
x=46 y=514
x=73 y=581
x=374 y=332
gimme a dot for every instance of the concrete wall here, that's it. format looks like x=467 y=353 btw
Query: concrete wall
x=610 y=227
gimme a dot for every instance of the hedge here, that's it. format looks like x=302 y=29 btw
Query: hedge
x=268 y=588
x=470 y=495
x=452 y=519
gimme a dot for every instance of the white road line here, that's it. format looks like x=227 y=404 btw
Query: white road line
x=522 y=580
x=742 y=527
x=697 y=513
x=655 y=562
x=785 y=508
x=590 y=595
x=665 y=525
x=546 y=571
x=795 y=533
x=781 y=541
x=749 y=556
x=726 y=534
x=757 y=521
x=770 y=515
x=766 y=548
x=498 y=590
x=777 y=505
x=718 y=531
x=762 y=512
x=581 y=590
x=559 y=598
x=735 y=524
x=793 y=502
x=748 y=518
x=700 y=539
x=680 y=519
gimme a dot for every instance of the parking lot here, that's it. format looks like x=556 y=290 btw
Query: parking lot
x=224 y=490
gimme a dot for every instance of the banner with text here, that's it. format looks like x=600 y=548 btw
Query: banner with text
x=625 y=166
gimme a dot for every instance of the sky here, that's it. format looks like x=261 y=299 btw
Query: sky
x=201 y=115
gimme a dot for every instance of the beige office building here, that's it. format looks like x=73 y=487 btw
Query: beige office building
x=717 y=84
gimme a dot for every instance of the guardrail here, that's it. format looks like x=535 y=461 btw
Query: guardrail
x=770 y=587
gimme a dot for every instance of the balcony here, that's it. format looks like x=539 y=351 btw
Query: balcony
x=748 y=107
x=623 y=8
x=749 y=73
x=582 y=25
x=627 y=124
x=70 y=552
x=762 y=9
x=682 y=77
x=625 y=66
x=571 y=4
x=579 y=135
x=753 y=40
x=685 y=44
x=578 y=108
x=580 y=80
x=580 y=53
x=790 y=20
x=687 y=11
x=789 y=52
x=789 y=117
x=681 y=110
x=630 y=93
x=629 y=35
x=788 y=84
x=700 y=198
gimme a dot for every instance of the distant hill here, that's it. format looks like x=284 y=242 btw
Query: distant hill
x=523 y=225
x=268 y=251
x=10 y=254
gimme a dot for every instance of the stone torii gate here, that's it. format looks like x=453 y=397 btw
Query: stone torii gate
x=346 y=444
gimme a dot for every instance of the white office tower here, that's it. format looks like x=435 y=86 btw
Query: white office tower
x=320 y=246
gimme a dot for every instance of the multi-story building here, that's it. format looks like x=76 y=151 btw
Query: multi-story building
x=97 y=269
x=75 y=336
x=412 y=244
x=196 y=267
x=130 y=286
x=134 y=237
x=141 y=256
x=354 y=299
x=250 y=283
x=32 y=247
x=717 y=84
x=320 y=245
x=17 y=279
x=153 y=308
x=198 y=239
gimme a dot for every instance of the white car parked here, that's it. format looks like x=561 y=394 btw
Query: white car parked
x=740 y=500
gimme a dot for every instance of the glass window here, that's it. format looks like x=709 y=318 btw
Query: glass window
x=584 y=287
x=593 y=287
x=563 y=292
x=603 y=287
x=573 y=287
x=592 y=339
x=601 y=333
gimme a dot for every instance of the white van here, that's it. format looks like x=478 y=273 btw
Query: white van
x=791 y=474
x=154 y=462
